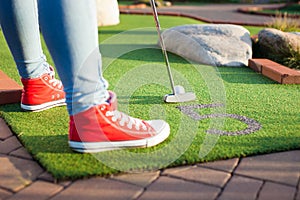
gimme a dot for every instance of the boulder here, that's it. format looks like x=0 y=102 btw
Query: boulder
x=274 y=43
x=211 y=44
x=108 y=12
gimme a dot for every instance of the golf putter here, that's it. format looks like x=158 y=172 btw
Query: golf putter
x=179 y=94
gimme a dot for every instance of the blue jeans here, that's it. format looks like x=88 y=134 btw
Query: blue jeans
x=70 y=31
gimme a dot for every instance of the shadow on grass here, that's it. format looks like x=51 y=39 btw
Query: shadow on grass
x=46 y=144
x=140 y=52
x=126 y=32
x=243 y=75
x=140 y=99
x=11 y=108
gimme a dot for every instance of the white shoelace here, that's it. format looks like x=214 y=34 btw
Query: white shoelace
x=125 y=119
x=54 y=81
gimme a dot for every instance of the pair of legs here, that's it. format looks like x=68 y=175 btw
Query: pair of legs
x=70 y=31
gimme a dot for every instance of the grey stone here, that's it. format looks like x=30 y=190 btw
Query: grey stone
x=281 y=167
x=190 y=110
x=200 y=174
x=276 y=192
x=171 y=189
x=248 y=188
x=274 y=43
x=211 y=44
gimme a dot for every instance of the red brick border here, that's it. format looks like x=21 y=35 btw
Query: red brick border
x=10 y=91
x=275 y=71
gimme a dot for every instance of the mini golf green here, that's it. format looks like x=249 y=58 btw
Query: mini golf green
x=212 y=128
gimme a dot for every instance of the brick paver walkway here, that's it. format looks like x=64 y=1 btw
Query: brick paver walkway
x=272 y=176
x=264 y=177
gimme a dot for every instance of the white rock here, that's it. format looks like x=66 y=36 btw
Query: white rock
x=211 y=44
x=108 y=12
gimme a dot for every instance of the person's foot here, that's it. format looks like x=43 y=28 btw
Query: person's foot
x=103 y=128
x=42 y=93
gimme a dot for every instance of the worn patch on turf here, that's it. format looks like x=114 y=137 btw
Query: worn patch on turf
x=190 y=110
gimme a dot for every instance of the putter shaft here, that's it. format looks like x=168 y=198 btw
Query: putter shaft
x=162 y=44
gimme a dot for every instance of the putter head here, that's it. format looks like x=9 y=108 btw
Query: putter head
x=179 y=98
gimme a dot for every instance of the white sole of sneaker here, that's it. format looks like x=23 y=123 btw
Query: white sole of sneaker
x=161 y=127
x=44 y=106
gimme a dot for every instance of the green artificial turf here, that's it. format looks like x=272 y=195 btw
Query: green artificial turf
x=135 y=69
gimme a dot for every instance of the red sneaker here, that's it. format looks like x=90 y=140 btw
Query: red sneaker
x=103 y=128
x=42 y=93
